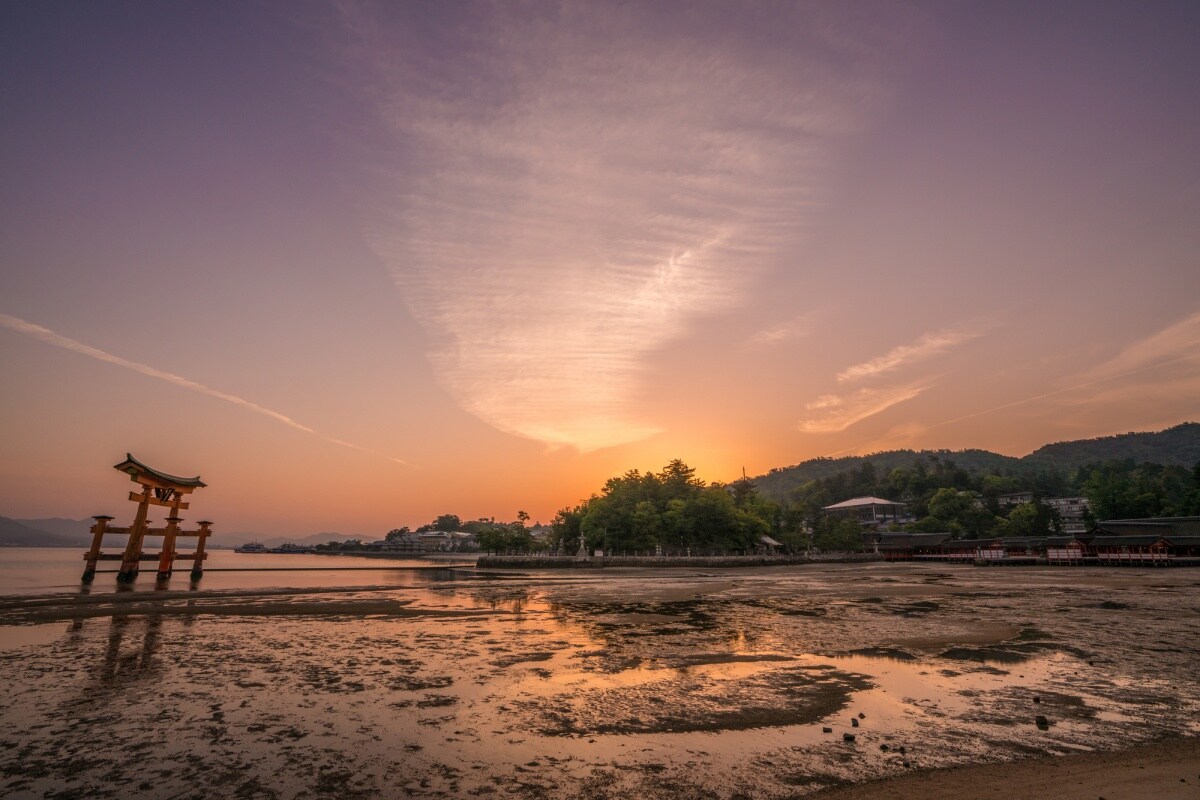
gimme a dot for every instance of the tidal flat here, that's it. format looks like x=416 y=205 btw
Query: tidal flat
x=767 y=683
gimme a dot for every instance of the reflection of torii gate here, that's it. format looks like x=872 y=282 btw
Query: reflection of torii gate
x=158 y=489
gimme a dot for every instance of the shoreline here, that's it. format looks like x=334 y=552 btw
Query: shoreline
x=519 y=562
x=770 y=684
x=1165 y=769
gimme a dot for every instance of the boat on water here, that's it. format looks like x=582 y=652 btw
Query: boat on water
x=251 y=547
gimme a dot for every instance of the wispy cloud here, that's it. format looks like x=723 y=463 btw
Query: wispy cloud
x=927 y=346
x=1182 y=339
x=797 y=327
x=569 y=187
x=839 y=412
x=48 y=336
x=1176 y=346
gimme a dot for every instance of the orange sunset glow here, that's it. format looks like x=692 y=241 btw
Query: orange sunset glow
x=359 y=265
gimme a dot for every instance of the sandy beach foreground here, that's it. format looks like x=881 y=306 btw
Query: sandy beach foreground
x=1166 y=770
x=832 y=681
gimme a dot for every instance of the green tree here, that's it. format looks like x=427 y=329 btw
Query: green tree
x=992 y=486
x=962 y=512
x=678 y=480
x=647 y=527
x=510 y=538
x=839 y=534
x=934 y=525
x=564 y=528
x=636 y=512
x=951 y=504
x=444 y=522
x=743 y=491
x=1025 y=519
x=396 y=534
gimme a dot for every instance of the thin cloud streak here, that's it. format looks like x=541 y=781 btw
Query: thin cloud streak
x=1073 y=388
x=1176 y=344
x=796 y=328
x=842 y=411
x=927 y=346
x=917 y=428
x=554 y=211
x=1170 y=343
x=48 y=336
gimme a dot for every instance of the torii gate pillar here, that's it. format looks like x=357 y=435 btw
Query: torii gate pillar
x=158 y=489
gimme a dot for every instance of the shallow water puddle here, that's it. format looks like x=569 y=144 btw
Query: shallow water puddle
x=13 y=637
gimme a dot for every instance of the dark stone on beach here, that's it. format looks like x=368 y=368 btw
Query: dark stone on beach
x=883 y=747
x=906 y=764
x=848 y=737
x=903 y=750
x=1042 y=722
x=826 y=730
x=1037 y=699
x=853 y=723
x=862 y=715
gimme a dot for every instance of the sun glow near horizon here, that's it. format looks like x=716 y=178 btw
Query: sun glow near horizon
x=381 y=263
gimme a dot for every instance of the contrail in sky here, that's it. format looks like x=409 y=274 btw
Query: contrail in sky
x=1043 y=396
x=58 y=340
x=1064 y=390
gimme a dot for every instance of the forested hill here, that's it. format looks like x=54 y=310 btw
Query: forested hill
x=1179 y=446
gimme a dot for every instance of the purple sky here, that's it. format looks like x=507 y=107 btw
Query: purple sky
x=360 y=264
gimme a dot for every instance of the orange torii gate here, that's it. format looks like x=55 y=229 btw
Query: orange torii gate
x=158 y=489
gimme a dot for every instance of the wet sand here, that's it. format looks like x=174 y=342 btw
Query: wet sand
x=1167 y=770
x=898 y=680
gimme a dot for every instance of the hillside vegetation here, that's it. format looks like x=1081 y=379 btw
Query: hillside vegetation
x=963 y=492
x=1178 y=446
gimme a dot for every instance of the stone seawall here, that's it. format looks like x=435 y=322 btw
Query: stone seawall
x=659 y=562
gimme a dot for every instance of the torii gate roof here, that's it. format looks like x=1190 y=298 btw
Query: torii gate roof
x=136 y=469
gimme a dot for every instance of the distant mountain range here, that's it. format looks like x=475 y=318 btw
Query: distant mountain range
x=16 y=533
x=1178 y=446
x=59 y=532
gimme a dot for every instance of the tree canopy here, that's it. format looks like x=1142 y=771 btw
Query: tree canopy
x=673 y=512
x=945 y=497
x=670 y=511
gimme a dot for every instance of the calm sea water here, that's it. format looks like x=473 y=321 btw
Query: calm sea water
x=41 y=570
